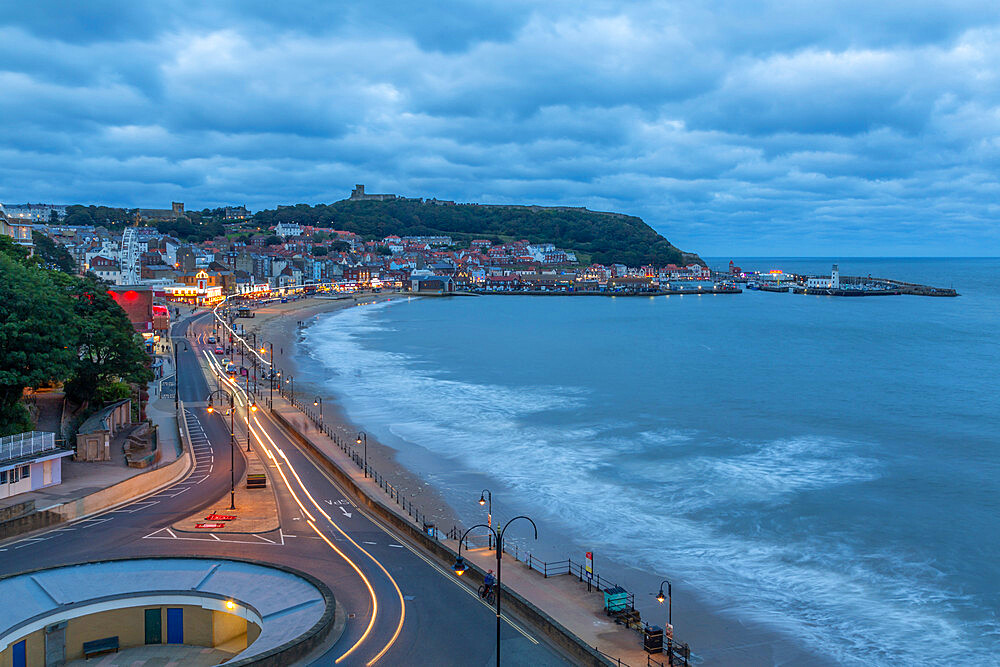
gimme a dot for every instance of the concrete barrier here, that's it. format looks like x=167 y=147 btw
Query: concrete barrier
x=554 y=632
x=112 y=496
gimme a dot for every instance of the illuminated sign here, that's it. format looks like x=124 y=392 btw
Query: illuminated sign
x=209 y=525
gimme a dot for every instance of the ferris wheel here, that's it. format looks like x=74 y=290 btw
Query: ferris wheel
x=130 y=257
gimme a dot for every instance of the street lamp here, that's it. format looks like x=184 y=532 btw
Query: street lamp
x=177 y=375
x=251 y=407
x=364 y=435
x=460 y=566
x=232 y=442
x=487 y=494
x=319 y=401
x=670 y=602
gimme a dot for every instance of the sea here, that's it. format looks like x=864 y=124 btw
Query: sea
x=821 y=472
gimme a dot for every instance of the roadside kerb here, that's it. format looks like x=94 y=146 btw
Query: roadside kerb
x=555 y=633
x=124 y=492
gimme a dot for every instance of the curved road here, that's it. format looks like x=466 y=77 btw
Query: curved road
x=402 y=608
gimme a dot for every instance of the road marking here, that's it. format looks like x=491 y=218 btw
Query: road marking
x=397 y=546
x=370 y=543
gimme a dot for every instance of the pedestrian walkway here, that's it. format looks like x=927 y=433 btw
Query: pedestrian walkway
x=563 y=597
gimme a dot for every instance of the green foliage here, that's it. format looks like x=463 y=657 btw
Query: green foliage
x=340 y=246
x=192 y=227
x=56 y=327
x=272 y=240
x=319 y=250
x=14 y=251
x=36 y=328
x=606 y=238
x=107 y=216
x=111 y=392
x=107 y=345
x=52 y=255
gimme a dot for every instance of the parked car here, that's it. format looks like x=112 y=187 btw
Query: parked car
x=219 y=350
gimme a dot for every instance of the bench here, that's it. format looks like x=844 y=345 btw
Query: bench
x=100 y=647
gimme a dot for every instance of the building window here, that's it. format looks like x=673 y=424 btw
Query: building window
x=3 y=476
x=25 y=472
x=13 y=476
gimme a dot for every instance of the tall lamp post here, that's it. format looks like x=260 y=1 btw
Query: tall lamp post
x=319 y=401
x=460 y=565
x=364 y=436
x=232 y=442
x=270 y=373
x=177 y=375
x=484 y=497
x=251 y=407
x=670 y=602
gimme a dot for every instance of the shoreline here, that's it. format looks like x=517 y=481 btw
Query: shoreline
x=282 y=325
x=716 y=638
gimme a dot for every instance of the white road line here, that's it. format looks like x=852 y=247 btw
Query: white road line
x=215 y=536
x=260 y=537
x=368 y=543
x=397 y=546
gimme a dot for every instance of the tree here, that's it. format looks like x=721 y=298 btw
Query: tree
x=108 y=347
x=273 y=240
x=320 y=250
x=36 y=344
x=383 y=250
x=52 y=255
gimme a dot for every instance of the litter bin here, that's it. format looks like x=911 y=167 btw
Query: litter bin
x=652 y=640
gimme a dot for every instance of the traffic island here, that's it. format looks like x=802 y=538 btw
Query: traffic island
x=256 y=507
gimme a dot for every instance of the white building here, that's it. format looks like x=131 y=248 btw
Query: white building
x=30 y=461
x=288 y=229
x=829 y=282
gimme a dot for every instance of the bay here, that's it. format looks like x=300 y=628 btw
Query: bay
x=825 y=468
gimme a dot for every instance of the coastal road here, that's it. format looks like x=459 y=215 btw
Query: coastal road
x=402 y=608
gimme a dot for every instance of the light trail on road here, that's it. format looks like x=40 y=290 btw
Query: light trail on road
x=240 y=393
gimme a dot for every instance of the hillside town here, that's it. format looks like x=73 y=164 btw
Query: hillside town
x=248 y=260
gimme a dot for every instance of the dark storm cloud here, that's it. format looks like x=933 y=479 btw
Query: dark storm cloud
x=825 y=127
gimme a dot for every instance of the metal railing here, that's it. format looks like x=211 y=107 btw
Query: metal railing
x=26 y=444
x=347 y=446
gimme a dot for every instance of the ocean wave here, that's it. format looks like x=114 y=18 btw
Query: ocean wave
x=657 y=497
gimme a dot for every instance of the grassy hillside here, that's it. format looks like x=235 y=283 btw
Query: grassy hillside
x=602 y=237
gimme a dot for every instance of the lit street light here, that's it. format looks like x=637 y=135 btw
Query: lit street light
x=487 y=494
x=232 y=442
x=364 y=435
x=461 y=566
x=319 y=401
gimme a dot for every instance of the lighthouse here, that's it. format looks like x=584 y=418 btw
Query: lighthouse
x=835 y=277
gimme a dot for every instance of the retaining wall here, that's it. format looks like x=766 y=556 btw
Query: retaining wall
x=117 y=494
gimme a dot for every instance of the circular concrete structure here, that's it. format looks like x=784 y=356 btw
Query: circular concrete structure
x=256 y=612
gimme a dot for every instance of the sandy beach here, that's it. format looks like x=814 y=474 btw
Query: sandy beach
x=281 y=324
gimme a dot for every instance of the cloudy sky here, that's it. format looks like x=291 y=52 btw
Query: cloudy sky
x=819 y=127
